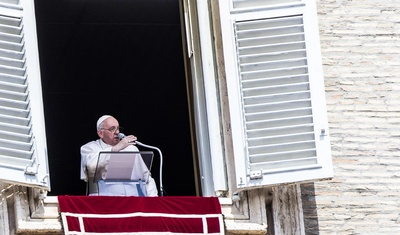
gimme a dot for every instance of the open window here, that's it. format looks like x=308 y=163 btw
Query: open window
x=276 y=92
x=23 y=154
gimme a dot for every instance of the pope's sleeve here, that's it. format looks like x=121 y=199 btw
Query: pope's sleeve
x=89 y=155
x=151 y=188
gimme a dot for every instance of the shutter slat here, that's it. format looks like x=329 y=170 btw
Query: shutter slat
x=276 y=81
x=16 y=153
x=12 y=70
x=16 y=142
x=271 y=23
x=11 y=38
x=273 y=56
x=268 y=65
x=259 y=3
x=7 y=78
x=279 y=148
x=10 y=29
x=281 y=139
x=294 y=121
x=15 y=120
x=264 y=99
x=274 y=73
x=12 y=4
x=10 y=21
x=17 y=163
x=274 y=48
x=13 y=47
x=14 y=112
x=14 y=104
x=17 y=129
x=12 y=54
x=264 y=40
x=13 y=87
x=277 y=89
x=287 y=156
x=290 y=165
x=280 y=130
x=277 y=106
x=269 y=36
x=4 y=94
x=10 y=62
x=268 y=115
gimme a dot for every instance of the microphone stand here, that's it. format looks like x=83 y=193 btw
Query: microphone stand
x=161 y=163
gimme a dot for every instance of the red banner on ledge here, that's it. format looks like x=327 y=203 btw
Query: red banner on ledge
x=141 y=215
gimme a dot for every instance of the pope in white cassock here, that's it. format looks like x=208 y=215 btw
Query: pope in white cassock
x=107 y=130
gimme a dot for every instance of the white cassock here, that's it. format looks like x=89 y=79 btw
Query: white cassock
x=90 y=161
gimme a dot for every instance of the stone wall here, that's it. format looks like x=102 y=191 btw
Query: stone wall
x=22 y=212
x=360 y=43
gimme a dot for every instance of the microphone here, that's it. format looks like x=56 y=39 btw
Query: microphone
x=122 y=135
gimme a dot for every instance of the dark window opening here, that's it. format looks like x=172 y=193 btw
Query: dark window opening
x=117 y=57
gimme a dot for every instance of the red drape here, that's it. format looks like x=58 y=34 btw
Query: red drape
x=150 y=214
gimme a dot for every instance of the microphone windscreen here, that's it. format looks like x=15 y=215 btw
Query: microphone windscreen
x=121 y=135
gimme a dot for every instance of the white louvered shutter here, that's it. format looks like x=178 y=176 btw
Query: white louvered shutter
x=23 y=154
x=276 y=92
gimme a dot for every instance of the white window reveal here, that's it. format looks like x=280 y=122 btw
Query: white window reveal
x=23 y=153
x=276 y=92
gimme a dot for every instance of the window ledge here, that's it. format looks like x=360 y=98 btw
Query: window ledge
x=40 y=226
x=234 y=227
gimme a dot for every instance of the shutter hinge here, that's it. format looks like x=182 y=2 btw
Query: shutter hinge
x=255 y=175
x=30 y=170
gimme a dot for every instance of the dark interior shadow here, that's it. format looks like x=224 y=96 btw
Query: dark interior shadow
x=117 y=57
x=310 y=212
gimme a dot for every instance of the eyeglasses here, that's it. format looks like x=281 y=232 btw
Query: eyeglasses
x=113 y=129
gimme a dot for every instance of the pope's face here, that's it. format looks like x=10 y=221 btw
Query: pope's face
x=109 y=131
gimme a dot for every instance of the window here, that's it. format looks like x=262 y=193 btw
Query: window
x=276 y=92
x=23 y=155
